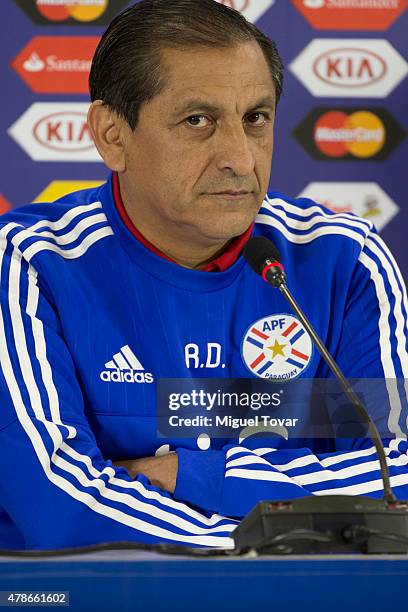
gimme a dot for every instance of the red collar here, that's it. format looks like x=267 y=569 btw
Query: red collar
x=220 y=264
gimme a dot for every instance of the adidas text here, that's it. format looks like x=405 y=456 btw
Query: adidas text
x=130 y=376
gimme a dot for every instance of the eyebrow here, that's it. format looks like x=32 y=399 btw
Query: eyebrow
x=202 y=105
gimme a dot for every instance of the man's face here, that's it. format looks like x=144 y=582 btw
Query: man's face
x=198 y=162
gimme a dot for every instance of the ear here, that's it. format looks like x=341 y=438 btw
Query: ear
x=107 y=131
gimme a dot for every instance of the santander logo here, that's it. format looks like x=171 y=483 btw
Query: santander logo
x=56 y=64
x=34 y=63
x=314 y=4
x=349 y=67
x=366 y=15
x=64 y=131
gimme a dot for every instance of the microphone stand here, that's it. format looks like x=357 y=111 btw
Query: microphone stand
x=348 y=390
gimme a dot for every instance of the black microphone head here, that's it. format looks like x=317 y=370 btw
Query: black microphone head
x=258 y=250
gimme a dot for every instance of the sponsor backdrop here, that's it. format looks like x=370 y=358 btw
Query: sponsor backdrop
x=341 y=125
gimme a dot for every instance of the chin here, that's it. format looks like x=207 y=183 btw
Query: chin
x=227 y=231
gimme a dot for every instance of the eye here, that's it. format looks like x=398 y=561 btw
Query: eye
x=258 y=119
x=199 y=121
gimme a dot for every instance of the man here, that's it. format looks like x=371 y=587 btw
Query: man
x=107 y=290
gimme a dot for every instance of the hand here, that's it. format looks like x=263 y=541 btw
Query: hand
x=161 y=471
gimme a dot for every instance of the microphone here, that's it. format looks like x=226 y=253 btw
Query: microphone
x=344 y=513
x=263 y=257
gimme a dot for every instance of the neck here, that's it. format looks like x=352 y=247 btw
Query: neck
x=185 y=250
x=192 y=256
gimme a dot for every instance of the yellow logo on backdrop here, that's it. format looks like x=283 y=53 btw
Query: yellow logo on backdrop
x=57 y=189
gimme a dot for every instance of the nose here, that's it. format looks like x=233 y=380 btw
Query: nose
x=234 y=151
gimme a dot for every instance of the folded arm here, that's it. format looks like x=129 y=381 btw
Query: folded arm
x=55 y=484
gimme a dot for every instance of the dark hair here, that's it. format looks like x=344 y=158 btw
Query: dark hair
x=126 y=69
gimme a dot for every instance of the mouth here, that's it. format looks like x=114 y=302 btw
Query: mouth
x=231 y=194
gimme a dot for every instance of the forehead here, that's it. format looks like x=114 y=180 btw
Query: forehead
x=239 y=72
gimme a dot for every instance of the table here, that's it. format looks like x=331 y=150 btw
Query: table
x=151 y=582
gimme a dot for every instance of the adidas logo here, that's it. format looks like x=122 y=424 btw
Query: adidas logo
x=125 y=367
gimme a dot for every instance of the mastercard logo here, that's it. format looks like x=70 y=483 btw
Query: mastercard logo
x=361 y=134
x=71 y=12
x=351 y=134
x=80 y=10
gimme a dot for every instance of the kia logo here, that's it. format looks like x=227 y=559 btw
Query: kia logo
x=238 y=5
x=64 y=131
x=349 y=67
